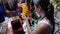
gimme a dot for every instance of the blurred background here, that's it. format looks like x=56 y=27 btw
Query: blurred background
x=11 y=13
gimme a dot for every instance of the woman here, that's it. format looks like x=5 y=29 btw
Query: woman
x=45 y=25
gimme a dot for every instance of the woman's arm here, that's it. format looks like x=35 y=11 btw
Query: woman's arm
x=28 y=27
x=41 y=28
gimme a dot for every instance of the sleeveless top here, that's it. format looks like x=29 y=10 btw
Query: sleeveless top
x=40 y=21
x=45 y=21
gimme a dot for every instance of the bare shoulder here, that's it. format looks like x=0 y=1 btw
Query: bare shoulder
x=42 y=29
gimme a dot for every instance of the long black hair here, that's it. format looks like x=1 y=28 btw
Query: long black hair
x=48 y=13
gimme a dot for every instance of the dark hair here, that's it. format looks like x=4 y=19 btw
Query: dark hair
x=32 y=4
x=49 y=14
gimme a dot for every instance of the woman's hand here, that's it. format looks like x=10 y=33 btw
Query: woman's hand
x=30 y=18
x=25 y=18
